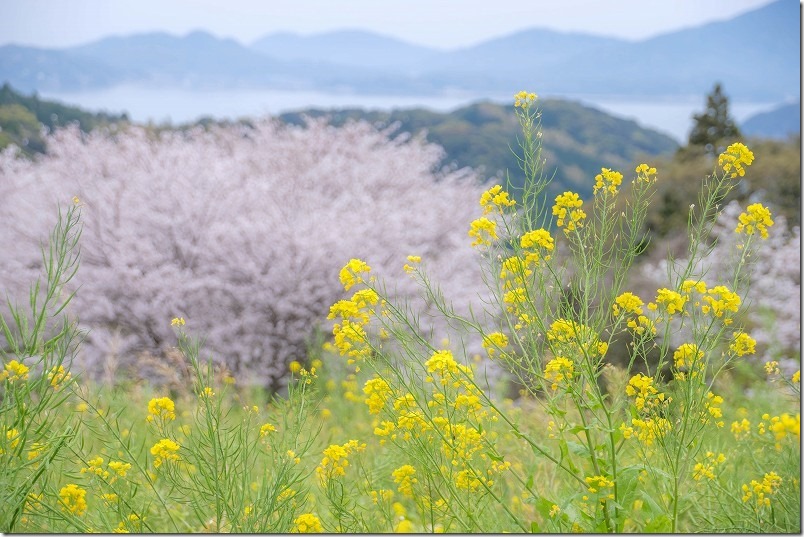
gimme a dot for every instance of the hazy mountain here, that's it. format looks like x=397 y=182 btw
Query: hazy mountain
x=29 y=69
x=778 y=123
x=756 y=56
x=353 y=48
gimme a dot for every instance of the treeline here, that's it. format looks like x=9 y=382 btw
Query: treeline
x=22 y=119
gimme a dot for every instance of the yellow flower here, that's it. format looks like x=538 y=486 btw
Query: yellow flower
x=536 y=240
x=756 y=218
x=772 y=367
x=568 y=210
x=670 y=300
x=76 y=200
x=14 y=371
x=495 y=197
x=741 y=429
x=404 y=477
x=742 y=344
x=335 y=460
x=378 y=392
x=177 y=321
x=524 y=100
x=414 y=259
x=760 y=491
x=554 y=510
x=733 y=159
x=58 y=376
x=208 y=392
x=162 y=409
x=165 y=450
x=351 y=273
x=796 y=377
x=404 y=526
x=120 y=468
x=608 y=181
x=597 y=482
x=645 y=173
x=557 y=370
x=483 y=231
x=73 y=499
x=307 y=523
x=493 y=342
x=266 y=429
x=720 y=299
x=627 y=303
x=687 y=355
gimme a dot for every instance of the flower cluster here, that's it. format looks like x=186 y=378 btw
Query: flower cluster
x=335 y=460
x=73 y=499
x=378 y=392
x=404 y=477
x=608 y=181
x=706 y=469
x=524 y=99
x=760 y=491
x=557 y=370
x=535 y=243
x=720 y=300
x=645 y=173
x=307 y=523
x=483 y=231
x=494 y=342
x=670 y=301
x=756 y=218
x=646 y=396
x=14 y=371
x=351 y=273
x=734 y=159
x=742 y=344
x=495 y=198
x=165 y=450
x=161 y=409
x=568 y=210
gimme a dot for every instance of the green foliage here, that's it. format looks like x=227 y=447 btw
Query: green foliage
x=775 y=179
x=714 y=129
x=578 y=140
x=22 y=118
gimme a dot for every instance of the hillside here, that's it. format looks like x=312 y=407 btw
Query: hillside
x=578 y=140
x=779 y=123
x=22 y=118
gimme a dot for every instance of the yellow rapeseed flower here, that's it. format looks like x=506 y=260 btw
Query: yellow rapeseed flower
x=73 y=499
x=483 y=231
x=608 y=181
x=165 y=450
x=307 y=523
x=351 y=273
x=734 y=159
x=404 y=477
x=645 y=173
x=627 y=303
x=742 y=344
x=755 y=218
x=177 y=321
x=14 y=371
x=568 y=210
x=524 y=99
x=495 y=198
x=494 y=342
x=161 y=408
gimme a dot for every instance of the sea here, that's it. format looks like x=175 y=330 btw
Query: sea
x=177 y=105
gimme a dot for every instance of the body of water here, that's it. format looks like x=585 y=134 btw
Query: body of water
x=672 y=117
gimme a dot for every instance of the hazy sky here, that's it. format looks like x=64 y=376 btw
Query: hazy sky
x=443 y=24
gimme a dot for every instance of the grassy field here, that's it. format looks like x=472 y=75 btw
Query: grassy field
x=627 y=415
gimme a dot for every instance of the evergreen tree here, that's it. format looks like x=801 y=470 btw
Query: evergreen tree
x=714 y=128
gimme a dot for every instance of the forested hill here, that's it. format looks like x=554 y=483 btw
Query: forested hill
x=577 y=140
x=22 y=118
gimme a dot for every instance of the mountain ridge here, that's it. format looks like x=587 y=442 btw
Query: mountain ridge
x=750 y=54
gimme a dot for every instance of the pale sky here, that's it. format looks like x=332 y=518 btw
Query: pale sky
x=444 y=24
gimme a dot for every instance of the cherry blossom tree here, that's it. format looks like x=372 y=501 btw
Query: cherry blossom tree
x=241 y=230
